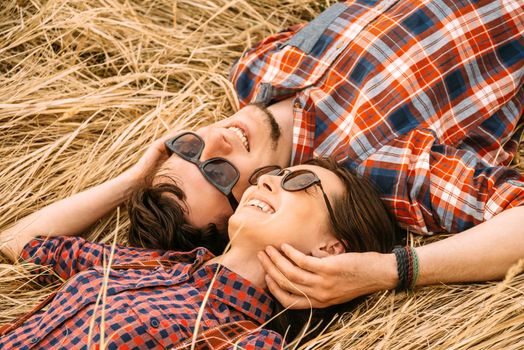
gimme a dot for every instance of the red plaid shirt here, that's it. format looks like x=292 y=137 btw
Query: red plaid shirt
x=144 y=309
x=421 y=97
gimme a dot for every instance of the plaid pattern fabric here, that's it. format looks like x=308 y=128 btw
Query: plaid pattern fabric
x=221 y=337
x=421 y=97
x=144 y=309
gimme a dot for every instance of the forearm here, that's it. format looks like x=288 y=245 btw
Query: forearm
x=69 y=216
x=484 y=252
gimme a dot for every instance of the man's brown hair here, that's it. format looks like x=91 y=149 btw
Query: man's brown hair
x=157 y=220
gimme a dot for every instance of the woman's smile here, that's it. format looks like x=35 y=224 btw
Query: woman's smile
x=261 y=205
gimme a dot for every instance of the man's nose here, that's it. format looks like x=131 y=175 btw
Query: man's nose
x=216 y=145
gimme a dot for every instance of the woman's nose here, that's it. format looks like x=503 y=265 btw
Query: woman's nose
x=268 y=182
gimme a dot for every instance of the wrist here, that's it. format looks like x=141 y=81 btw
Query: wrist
x=388 y=262
x=130 y=179
x=380 y=272
x=122 y=185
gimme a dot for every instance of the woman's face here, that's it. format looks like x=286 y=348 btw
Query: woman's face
x=270 y=215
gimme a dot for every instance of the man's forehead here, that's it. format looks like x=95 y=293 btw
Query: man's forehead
x=167 y=173
x=202 y=199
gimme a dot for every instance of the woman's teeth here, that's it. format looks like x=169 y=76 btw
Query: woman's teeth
x=241 y=135
x=266 y=208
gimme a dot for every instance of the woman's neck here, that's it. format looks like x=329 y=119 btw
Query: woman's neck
x=243 y=262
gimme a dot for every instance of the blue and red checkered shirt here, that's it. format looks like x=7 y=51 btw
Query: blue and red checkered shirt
x=138 y=309
x=421 y=97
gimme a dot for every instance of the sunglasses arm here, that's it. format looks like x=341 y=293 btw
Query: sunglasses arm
x=232 y=201
x=328 y=204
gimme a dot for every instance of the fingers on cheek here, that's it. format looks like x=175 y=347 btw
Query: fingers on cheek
x=284 y=275
x=274 y=272
x=298 y=277
x=283 y=264
x=264 y=259
x=268 y=265
x=277 y=287
x=273 y=254
x=282 y=283
x=274 y=287
x=283 y=297
x=295 y=255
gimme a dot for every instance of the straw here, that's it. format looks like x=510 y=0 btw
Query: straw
x=85 y=86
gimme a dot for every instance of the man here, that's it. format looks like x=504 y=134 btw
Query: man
x=421 y=98
x=411 y=85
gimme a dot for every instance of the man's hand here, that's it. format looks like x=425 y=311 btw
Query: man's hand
x=75 y=214
x=299 y=281
x=484 y=252
x=154 y=156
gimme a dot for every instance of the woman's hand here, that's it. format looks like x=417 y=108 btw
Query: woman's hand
x=299 y=281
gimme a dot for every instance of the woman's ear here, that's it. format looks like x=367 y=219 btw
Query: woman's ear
x=330 y=247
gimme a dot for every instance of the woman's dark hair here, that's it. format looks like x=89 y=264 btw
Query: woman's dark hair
x=364 y=224
x=156 y=213
x=361 y=217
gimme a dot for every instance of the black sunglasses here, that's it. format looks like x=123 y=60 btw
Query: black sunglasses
x=292 y=181
x=218 y=171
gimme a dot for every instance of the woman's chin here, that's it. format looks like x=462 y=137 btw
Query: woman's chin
x=247 y=217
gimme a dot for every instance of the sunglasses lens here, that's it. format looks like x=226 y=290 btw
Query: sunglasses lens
x=298 y=180
x=221 y=172
x=188 y=145
x=269 y=170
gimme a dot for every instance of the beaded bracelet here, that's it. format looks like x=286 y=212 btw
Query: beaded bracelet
x=415 y=268
x=407 y=267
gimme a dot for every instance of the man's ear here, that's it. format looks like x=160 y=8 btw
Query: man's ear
x=330 y=247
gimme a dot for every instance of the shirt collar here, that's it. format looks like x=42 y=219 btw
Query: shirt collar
x=237 y=292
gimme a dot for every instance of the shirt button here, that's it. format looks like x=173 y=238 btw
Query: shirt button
x=35 y=340
x=297 y=105
x=154 y=323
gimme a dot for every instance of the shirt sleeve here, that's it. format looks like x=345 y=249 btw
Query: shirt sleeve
x=248 y=71
x=259 y=340
x=431 y=187
x=69 y=255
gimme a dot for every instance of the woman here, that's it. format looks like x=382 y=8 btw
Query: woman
x=319 y=207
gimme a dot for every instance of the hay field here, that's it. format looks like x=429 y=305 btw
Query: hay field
x=86 y=85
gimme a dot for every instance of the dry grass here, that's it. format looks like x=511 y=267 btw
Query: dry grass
x=86 y=85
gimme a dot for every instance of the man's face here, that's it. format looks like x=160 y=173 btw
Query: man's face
x=249 y=139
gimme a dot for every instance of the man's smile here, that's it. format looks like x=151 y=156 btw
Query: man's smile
x=241 y=134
